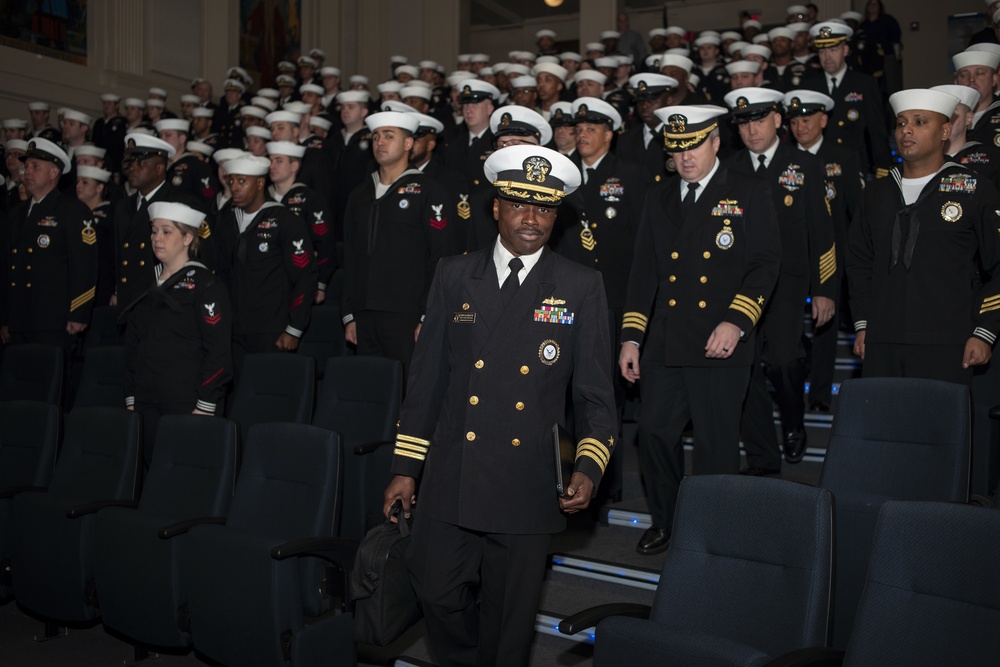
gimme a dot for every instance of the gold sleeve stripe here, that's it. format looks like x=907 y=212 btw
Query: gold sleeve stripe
x=82 y=299
x=826 y=271
x=400 y=452
x=829 y=254
x=598 y=444
x=637 y=316
x=413 y=448
x=633 y=324
x=748 y=303
x=410 y=438
x=989 y=307
x=746 y=311
x=600 y=464
x=991 y=299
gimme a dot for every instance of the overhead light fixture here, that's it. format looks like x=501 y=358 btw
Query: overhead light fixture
x=553 y=3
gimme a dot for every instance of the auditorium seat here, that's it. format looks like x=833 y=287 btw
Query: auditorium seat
x=325 y=336
x=359 y=398
x=747 y=577
x=274 y=387
x=191 y=478
x=52 y=532
x=892 y=439
x=103 y=330
x=32 y=373
x=102 y=384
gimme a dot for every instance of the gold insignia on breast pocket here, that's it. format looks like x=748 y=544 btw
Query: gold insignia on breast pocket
x=951 y=211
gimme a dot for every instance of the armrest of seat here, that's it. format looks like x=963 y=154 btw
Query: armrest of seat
x=11 y=491
x=369 y=447
x=181 y=527
x=588 y=618
x=995 y=412
x=334 y=550
x=90 y=508
x=815 y=656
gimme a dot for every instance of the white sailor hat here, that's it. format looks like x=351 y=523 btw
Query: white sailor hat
x=110 y=97
x=532 y=174
x=306 y=61
x=415 y=91
x=78 y=116
x=737 y=47
x=996 y=17
x=676 y=30
x=517 y=69
x=177 y=124
x=16 y=123
x=607 y=61
x=137 y=143
x=597 y=111
x=570 y=55
x=589 y=75
x=757 y=50
x=404 y=121
x=707 y=39
x=985 y=46
x=393 y=105
x=743 y=67
x=711 y=32
x=265 y=103
x=830 y=33
x=16 y=145
x=283 y=117
x=269 y=93
x=657 y=32
x=800 y=26
x=527 y=55
x=258 y=131
x=480 y=58
x=253 y=110
x=190 y=99
x=176 y=212
x=520 y=121
x=359 y=78
x=330 y=71
x=90 y=150
x=761 y=38
x=561 y=115
x=247 y=165
x=156 y=103
x=284 y=80
x=226 y=154
x=966 y=95
x=234 y=85
x=202 y=112
x=610 y=34
x=300 y=108
x=653 y=61
x=558 y=71
x=390 y=87
x=693 y=79
x=969 y=58
x=464 y=58
x=780 y=31
x=545 y=33
x=134 y=102
x=318 y=54
x=427 y=125
x=676 y=61
x=156 y=90
x=142 y=129
x=854 y=16
x=200 y=147
x=428 y=64
x=651 y=85
x=43 y=149
x=546 y=60
x=358 y=96
x=595 y=46
x=730 y=34
x=687 y=127
x=806 y=103
x=624 y=59
x=748 y=104
x=484 y=72
x=286 y=148
x=523 y=82
x=796 y=10
x=311 y=88
x=398 y=60
x=752 y=23
x=38 y=106
x=500 y=67
x=408 y=69
x=924 y=99
x=421 y=83
x=475 y=90
x=95 y=173
x=60 y=111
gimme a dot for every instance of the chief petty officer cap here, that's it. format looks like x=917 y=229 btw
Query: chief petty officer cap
x=561 y=115
x=923 y=99
x=748 y=104
x=594 y=110
x=286 y=67
x=428 y=125
x=651 y=85
x=306 y=61
x=404 y=121
x=520 y=121
x=687 y=127
x=247 y=165
x=475 y=90
x=178 y=124
x=742 y=66
x=176 y=212
x=395 y=105
x=532 y=174
x=285 y=81
x=234 y=85
x=966 y=95
x=286 y=148
x=43 y=149
x=971 y=58
x=829 y=33
x=144 y=146
x=200 y=147
x=95 y=173
x=806 y=103
x=90 y=150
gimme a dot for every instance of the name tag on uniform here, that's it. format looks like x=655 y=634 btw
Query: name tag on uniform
x=464 y=318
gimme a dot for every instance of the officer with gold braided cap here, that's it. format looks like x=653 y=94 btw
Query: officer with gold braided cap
x=706 y=260
x=508 y=329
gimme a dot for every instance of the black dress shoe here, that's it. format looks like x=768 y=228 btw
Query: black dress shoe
x=795 y=445
x=819 y=406
x=653 y=541
x=756 y=471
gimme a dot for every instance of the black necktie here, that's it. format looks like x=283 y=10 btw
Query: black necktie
x=688 y=202
x=761 y=160
x=511 y=284
x=833 y=84
x=590 y=173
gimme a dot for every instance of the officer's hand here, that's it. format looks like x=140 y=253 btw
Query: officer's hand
x=578 y=494
x=859 y=345
x=73 y=328
x=320 y=296
x=351 y=333
x=823 y=309
x=723 y=341
x=5 y=334
x=287 y=342
x=196 y=411
x=113 y=301
x=416 y=333
x=403 y=489
x=977 y=353
x=628 y=362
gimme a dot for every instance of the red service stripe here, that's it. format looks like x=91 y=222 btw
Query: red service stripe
x=301 y=261
x=209 y=380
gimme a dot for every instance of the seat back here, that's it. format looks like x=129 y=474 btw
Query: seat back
x=275 y=387
x=932 y=595
x=100 y=456
x=750 y=561
x=32 y=373
x=893 y=438
x=289 y=480
x=193 y=471
x=29 y=436
x=102 y=384
x=325 y=336
x=360 y=398
x=103 y=329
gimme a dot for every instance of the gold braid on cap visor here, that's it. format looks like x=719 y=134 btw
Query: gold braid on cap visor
x=821 y=43
x=524 y=190
x=682 y=142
